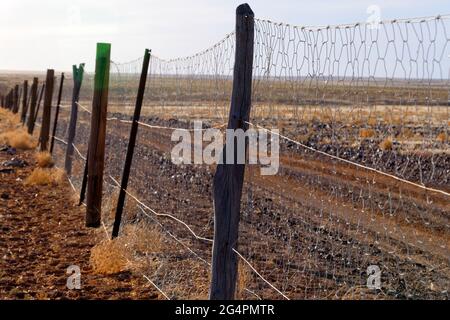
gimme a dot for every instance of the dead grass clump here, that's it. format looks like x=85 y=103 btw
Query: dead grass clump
x=442 y=137
x=386 y=144
x=142 y=238
x=19 y=139
x=42 y=176
x=8 y=118
x=109 y=257
x=44 y=159
x=366 y=133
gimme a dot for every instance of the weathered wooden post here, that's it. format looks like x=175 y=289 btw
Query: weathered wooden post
x=39 y=102
x=8 y=100
x=97 y=136
x=58 y=104
x=16 y=99
x=3 y=101
x=34 y=89
x=131 y=144
x=11 y=100
x=24 y=101
x=77 y=81
x=84 y=180
x=229 y=178
x=46 y=114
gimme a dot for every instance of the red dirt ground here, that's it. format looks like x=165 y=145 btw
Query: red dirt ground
x=43 y=233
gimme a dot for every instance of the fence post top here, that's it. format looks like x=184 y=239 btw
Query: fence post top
x=103 y=49
x=244 y=10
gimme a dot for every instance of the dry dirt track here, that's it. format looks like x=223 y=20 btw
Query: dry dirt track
x=41 y=234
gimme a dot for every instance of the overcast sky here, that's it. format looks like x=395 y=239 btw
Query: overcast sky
x=36 y=35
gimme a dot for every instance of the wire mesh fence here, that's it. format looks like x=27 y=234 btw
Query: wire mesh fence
x=363 y=179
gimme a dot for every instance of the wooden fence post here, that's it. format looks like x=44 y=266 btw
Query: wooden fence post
x=39 y=102
x=97 y=136
x=77 y=81
x=24 y=101
x=84 y=181
x=3 y=101
x=8 y=100
x=58 y=104
x=34 y=91
x=229 y=178
x=46 y=113
x=131 y=144
x=11 y=104
x=16 y=99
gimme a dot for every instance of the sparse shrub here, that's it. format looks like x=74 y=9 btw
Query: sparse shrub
x=44 y=159
x=109 y=257
x=19 y=139
x=442 y=137
x=386 y=144
x=43 y=176
x=366 y=133
x=142 y=238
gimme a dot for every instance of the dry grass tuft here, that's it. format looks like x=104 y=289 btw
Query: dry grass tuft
x=442 y=137
x=386 y=144
x=42 y=176
x=44 y=159
x=19 y=139
x=109 y=257
x=366 y=133
x=9 y=119
x=143 y=239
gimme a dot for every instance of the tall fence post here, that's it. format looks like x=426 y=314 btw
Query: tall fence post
x=46 y=114
x=229 y=178
x=7 y=100
x=96 y=156
x=84 y=180
x=24 y=101
x=39 y=102
x=33 y=93
x=11 y=100
x=131 y=144
x=77 y=81
x=16 y=99
x=58 y=104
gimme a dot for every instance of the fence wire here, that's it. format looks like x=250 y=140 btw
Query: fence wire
x=372 y=95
